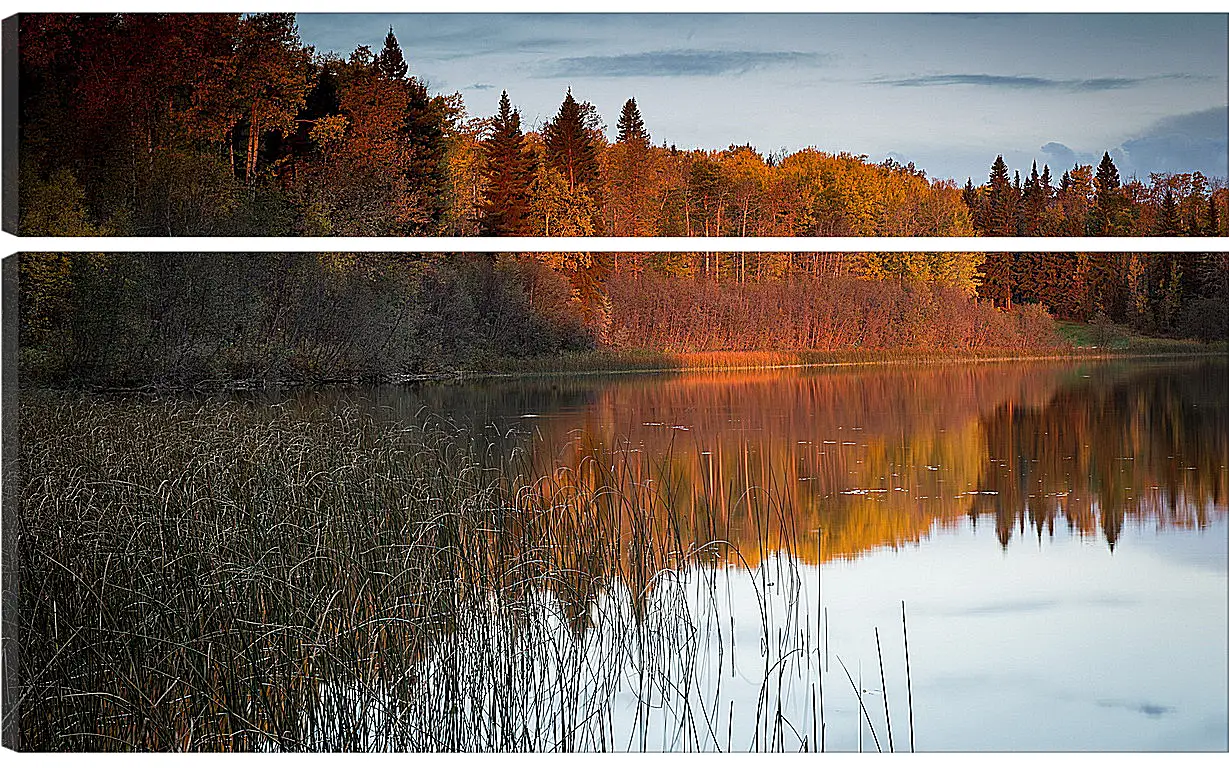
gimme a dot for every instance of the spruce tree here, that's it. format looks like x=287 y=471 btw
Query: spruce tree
x=631 y=125
x=1000 y=218
x=423 y=127
x=1107 y=175
x=1167 y=222
x=969 y=195
x=1034 y=203
x=1107 y=186
x=996 y=278
x=509 y=173
x=389 y=61
x=570 y=146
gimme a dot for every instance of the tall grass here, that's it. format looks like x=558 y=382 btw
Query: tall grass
x=219 y=575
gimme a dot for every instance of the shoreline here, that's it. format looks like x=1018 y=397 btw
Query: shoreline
x=633 y=362
x=999 y=357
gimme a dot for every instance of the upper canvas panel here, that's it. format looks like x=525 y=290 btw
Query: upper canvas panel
x=618 y=125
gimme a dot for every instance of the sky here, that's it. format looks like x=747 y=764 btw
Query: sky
x=947 y=92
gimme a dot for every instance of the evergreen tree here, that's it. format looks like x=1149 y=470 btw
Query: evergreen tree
x=423 y=127
x=1107 y=175
x=1000 y=218
x=1035 y=198
x=390 y=62
x=1211 y=226
x=509 y=173
x=631 y=126
x=971 y=201
x=1167 y=222
x=996 y=283
x=1109 y=196
x=570 y=146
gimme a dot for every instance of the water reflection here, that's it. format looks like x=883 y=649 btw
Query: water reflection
x=880 y=457
x=658 y=572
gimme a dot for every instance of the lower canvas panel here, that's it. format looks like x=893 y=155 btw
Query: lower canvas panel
x=647 y=502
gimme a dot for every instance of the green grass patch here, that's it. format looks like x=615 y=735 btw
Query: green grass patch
x=1110 y=338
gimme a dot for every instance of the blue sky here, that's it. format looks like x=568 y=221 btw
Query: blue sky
x=946 y=91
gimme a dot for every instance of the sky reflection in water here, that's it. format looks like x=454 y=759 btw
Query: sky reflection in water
x=1058 y=533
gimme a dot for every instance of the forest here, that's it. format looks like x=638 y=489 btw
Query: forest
x=228 y=124
x=124 y=320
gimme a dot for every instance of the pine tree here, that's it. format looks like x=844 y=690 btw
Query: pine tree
x=509 y=173
x=631 y=126
x=390 y=62
x=570 y=146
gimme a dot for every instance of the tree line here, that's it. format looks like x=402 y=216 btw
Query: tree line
x=1162 y=294
x=221 y=320
x=227 y=124
x=1090 y=203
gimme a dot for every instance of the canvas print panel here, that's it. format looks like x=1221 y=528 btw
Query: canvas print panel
x=737 y=125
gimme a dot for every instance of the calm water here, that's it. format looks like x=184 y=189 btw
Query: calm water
x=672 y=562
x=1057 y=531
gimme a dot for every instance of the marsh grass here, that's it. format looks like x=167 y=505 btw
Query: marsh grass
x=223 y=575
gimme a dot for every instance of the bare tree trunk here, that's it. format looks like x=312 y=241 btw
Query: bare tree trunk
x=253 y=148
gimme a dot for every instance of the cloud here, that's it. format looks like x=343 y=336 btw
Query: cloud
x=1026 y=82
x=1187 y=142
x=479 y=87
x=1147 y=708
x=1061 y=157
x=676 y=63
x=1193 y=141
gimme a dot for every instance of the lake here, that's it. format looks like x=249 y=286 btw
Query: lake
x=694 y=560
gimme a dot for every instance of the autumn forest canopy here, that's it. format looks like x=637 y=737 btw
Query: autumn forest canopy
x=227 y=124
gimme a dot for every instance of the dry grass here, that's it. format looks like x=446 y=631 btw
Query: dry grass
x=219 y=575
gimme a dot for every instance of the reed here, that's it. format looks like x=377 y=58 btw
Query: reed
x=214 y=574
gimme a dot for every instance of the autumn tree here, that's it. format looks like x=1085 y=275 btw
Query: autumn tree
x=463 y=161
x=632 y=171
x=271 y=84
